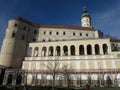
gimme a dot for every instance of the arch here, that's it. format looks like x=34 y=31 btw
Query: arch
x=108 y=80
x=58 y=50
x=72 y=50
x=29 y=51
x=36 y=51
x=29 y=79
x=89 y=49
x=50 y=52
x=118 y=79
x=18 y=79
x=105 y=49
x=81 y=50
x=65 y=50
x=44 y=49
x=97 y=49
x=10 y=78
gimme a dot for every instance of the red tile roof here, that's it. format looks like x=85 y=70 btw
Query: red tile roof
x=54 y=26
x=114 y=40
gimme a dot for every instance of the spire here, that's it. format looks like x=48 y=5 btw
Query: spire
x=85 y=19
x=85 y=12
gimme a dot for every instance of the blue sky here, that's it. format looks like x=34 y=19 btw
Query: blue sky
x=105 y=14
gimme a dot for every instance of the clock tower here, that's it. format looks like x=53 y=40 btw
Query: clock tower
x=85 y=19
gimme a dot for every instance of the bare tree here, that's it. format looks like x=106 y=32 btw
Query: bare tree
x=53 y=68
x=67 y=74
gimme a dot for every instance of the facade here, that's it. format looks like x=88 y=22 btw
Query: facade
x=80 y=53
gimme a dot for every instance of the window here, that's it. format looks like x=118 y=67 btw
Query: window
x=57 y=33
x=63 y=33
x=34 y=40
x=35 y=32
x=80 y=34
x=44 y=33
x=86 y=34
x=43 y=40
x=15 y=25
x=23 y=37
x=49 y=40
x=50 y=33
x=24 y=28
x=13 y=34
x=73 y=33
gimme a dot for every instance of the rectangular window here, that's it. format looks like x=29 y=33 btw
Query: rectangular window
x=80 y=34
x=13 y=34
x=50 y=33
x=73 y=33
x=63 y=33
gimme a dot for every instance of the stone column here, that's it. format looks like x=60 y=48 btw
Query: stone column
x=77 y=50
x=101 y=49
x=93 y=50
x=69 y=54
x=33 y=52
x=85 y=50
x=39 y=52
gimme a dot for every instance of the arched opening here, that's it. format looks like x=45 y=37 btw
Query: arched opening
x=72 y=50
x=29 y=51
x=50 y=53
x=44 y=49
x=97 y=49
x=81 y=50
x=65 y=50
x=10 y=78
x=105 y=49
x=89 y=50
x=36 y=51
x=19 y=79
x=29 y=79
x=58 y=50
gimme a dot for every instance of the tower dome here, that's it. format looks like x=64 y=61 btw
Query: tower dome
x=85 y=19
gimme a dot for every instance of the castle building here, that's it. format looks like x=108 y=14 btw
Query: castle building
x=35 y=51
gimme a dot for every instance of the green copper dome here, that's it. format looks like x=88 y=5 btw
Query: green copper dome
x=85 y=13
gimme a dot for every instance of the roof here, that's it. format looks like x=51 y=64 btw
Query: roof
x=114 y=40
x=54 y=26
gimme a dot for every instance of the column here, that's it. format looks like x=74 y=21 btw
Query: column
x=101 y=49
x=61 y=54
x=33 y=52
x=54 y=51
x=85 y=50
x=69 y=51
x=93 y=50
x=39 y=52
x=77 y=50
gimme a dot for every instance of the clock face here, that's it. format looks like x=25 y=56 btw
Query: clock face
x=85 y=21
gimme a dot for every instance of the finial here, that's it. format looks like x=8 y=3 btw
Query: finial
x=85 y=13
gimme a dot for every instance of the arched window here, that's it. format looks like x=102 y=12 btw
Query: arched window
x=36 y=51
x=10 y=78
x=81 y=50
x=65 y=50
x=50 y=53
x=72 y=50
x=105 y=49
x=97 y=49
x=44 y=49
x=13 y=34
x=29 y=51
x=58 y=52
x=19 y=79
x=89 y=50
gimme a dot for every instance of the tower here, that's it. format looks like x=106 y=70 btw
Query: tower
x=13 y=46
x=85 y=19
